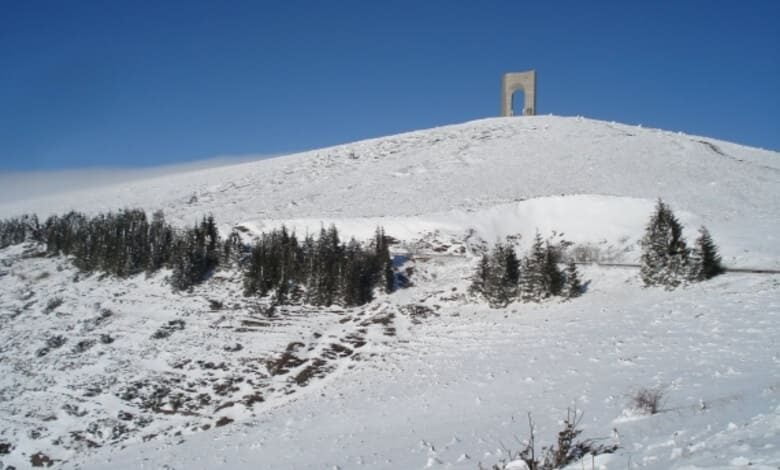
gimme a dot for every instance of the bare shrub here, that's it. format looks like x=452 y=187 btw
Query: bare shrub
x=569 y=448
x=648 y=400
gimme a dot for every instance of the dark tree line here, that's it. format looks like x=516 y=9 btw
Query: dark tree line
x=18 y=230
x=321 y=271
x=127 y=243
x=501 y=277
x=666 y=259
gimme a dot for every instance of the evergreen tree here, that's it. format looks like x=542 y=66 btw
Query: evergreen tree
x=211 y=243
x=136 y=241
x=507 y=275
x=481 y=277
x=572 y=286
x=553 y=278
x=355 y=283
x=195 y=254
x=504 y=276
x=664 y=259
x=328 y=266
x=496 y=276
x=534 y=282
x=383 y=262
x=511 y=275
x=160 y=242
x=182 y=262
x=254 y=277
x=705 y=260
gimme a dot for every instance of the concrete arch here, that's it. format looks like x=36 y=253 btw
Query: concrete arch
x=514 y=81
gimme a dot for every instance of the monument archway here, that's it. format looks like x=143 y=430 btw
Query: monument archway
x=514 y=81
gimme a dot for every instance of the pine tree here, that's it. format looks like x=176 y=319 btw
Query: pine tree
x=552 y=274
x=182 y=262
x=160 y=242
x=534 y=284
x=211 y=243
x=254 y=277
x=481 y=277
x=705 y=260
x=496 y=276
x=510 y=275
x=503 y=277
x=572 y=286
x=383 y=261
x=136 y=241
x=308 y=267
x=351 y=284
x=665 y=256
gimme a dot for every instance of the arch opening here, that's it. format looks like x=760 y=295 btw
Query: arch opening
x=518 y=102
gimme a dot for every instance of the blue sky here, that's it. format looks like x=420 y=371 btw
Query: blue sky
x=126 y=84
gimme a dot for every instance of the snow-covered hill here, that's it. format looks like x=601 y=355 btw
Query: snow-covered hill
x=477 y=165
x=100 y=372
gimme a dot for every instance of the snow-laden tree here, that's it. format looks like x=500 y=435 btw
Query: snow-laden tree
x=541 y=278
x=665 y=256
x=705 y=262
x=481 y=278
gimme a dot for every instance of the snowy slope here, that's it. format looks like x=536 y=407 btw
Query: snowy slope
x=457 y=388
x=426 y=377
x=471 y=166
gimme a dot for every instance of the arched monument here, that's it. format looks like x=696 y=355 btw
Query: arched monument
x=514 y=81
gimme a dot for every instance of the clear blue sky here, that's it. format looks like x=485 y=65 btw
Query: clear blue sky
x=120 y=83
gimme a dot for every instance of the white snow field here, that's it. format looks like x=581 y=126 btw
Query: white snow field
x=98 y=372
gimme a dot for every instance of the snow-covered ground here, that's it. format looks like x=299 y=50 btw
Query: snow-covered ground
x=425 y=377
x=456 y=388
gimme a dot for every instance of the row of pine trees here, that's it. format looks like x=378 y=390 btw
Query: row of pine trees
x=667 y=261
x=127 y=243
x=501 y=277
x=324 y=271
x=327 y=271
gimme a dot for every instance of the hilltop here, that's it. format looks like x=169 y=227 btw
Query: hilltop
x=427 y=377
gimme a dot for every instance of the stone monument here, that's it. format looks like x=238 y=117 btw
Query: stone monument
x=514 y=81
